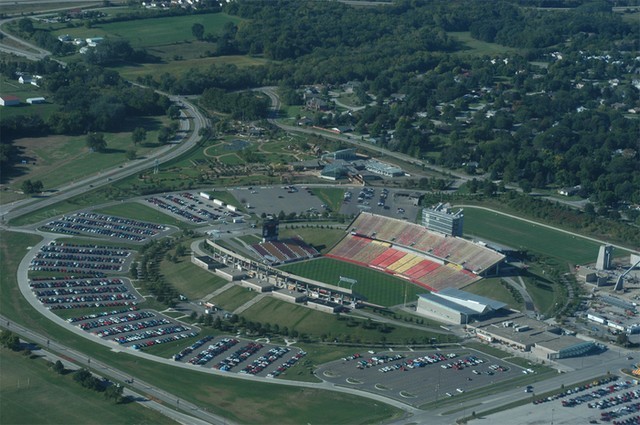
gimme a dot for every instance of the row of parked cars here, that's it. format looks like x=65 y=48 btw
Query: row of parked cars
x=102 y=225
x=132 y=327
x=286 y=365
x=212 y=351
x=88 y=301
x=238 y=356
x=164 y=340
x=259 y=364
x=110 y=320
x=188 y=350
x=80 y=291
x=101 y=314
x=596 y=394
x=576 y=390
x=73 y=283
x=85 y=249
x=167 y=330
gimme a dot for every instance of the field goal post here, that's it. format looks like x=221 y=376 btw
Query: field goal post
x=349 y=281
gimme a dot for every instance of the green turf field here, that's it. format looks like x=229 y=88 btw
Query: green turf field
x=478 y=47
x=34 y=394
x=376 y=287
x=519 y=234
x=189 y=279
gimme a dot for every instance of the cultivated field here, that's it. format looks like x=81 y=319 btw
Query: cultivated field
x=377 y=287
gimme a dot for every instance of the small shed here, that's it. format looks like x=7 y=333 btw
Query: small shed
x=34 y=100
x=7 y=100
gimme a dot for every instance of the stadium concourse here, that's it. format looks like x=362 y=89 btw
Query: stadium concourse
x=410 y=251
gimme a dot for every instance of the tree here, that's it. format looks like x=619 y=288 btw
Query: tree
x=114 y=392
x=132 y=154
x=173 y=112
x=197 y=30
x=96 y=142
x=163 y=135
x=29 y=187
x=26 y=25
x=139 y=135
x=58 y=367
x=10 y=340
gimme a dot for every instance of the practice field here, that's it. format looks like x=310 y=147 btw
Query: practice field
x=34 y=394
x=519 y=234
x=377 y=287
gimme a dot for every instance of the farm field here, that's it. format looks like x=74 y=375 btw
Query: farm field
x=34 y=394
x=330 y=327
x=519 y=234
x=376 y=287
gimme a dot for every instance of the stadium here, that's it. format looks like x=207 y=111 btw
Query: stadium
x=388 y=246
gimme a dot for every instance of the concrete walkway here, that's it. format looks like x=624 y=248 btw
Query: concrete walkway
x=249 y=303
x=218 y=291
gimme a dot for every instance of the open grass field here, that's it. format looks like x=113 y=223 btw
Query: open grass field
x=519 y=234
x=154 y=32
x=477 y=47
x=330 y=327
x=34 y=394
x=378 y=288
x=24 y=91
x=56 y=160
x=333 y=198
x=238 y=400
x=139 y=211
x=189 y=279
x=492 y=288
x=543 y=294
x=321 y=239
x=233 y=298
x=180 y=67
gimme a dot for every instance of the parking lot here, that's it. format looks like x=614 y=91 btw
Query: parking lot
x=190 y=207
x=615 y=400
x=134 y=328
x=418 y=377
x=94 y=224
x=301 y=200
x=231 y=354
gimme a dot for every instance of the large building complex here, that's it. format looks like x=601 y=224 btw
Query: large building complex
x=441 y=219
x=457 y=307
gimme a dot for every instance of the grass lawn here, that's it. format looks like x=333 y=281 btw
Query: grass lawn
x=332 y=197
x=519 y=234
x=376 y=287
x=492 y=288
x=34 y=394
x=543 y=294
x=140 y=211
x=24 y=91
x=322 y=325
x=321 y=239
x=58 y=159
x=480 y=48
x=238 y=400
x=189 y=279
x=233 y=298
